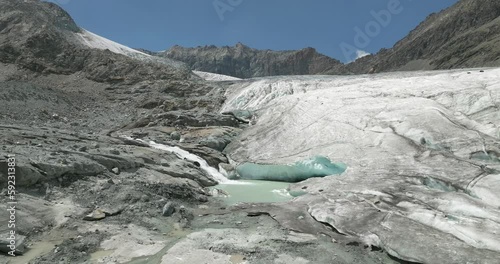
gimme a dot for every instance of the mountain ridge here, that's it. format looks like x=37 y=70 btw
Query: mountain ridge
x=462 y=36
x=244 y=62
x=51 y=42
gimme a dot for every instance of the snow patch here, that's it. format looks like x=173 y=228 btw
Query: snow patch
x=215 y=77
x=95 y=41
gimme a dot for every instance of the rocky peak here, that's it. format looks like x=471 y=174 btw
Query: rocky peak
x=35 y=14
x=464 y=35
x=245 y=62
x=241 y=46
x=42 y=37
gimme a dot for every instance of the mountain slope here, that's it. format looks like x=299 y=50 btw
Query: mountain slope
x=42 y=37
x=244 y=62
x=465 y=35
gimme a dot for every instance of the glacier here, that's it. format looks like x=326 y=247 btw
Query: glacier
x=422 y=148
x=299 y=171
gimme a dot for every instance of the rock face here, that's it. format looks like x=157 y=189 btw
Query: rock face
x=421 y=150
x=67 y=99
x=244 y=62
x=464 y=35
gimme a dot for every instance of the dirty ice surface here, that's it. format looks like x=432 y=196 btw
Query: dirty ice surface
x=422 y=148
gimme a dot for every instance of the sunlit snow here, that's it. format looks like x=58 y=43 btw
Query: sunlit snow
x=97 y=42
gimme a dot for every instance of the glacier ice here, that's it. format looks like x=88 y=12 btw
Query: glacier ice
x=310 y=168
x=422 y=148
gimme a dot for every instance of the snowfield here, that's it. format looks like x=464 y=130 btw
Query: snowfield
x=94 y=41
x=422 y=150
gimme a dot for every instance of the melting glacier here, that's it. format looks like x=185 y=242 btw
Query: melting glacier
x=423 y=181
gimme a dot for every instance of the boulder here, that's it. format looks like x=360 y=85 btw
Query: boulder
x=6 y=245
x=168 y=209
x=96 y=215
x=175 y=135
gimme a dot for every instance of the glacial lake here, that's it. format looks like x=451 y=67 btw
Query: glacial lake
x=251 y=191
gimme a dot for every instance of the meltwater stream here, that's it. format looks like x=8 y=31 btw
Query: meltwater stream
x=244 y=191
x=216 y=175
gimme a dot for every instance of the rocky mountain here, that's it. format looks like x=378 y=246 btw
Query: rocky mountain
x=466 y=34
x=51 y=42
x=244 y=62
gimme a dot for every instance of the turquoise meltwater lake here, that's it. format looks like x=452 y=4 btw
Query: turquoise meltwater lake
x=252 y=191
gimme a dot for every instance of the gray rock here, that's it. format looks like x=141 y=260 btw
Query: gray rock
x=196 y=119
x=6 y=246
x=115 y=171
x=186 y=214
x=215 y=143
x=26 y=174
x=244 y=116
x=164 y=162
x=213 y=157
x=175 y=135
x=219 y=193
x=113 y=211
x=168 y=209
x=96 y=215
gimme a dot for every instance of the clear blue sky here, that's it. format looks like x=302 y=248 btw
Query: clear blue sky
x=263 y=24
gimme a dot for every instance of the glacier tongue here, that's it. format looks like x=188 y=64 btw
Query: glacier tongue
x=421 y=149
